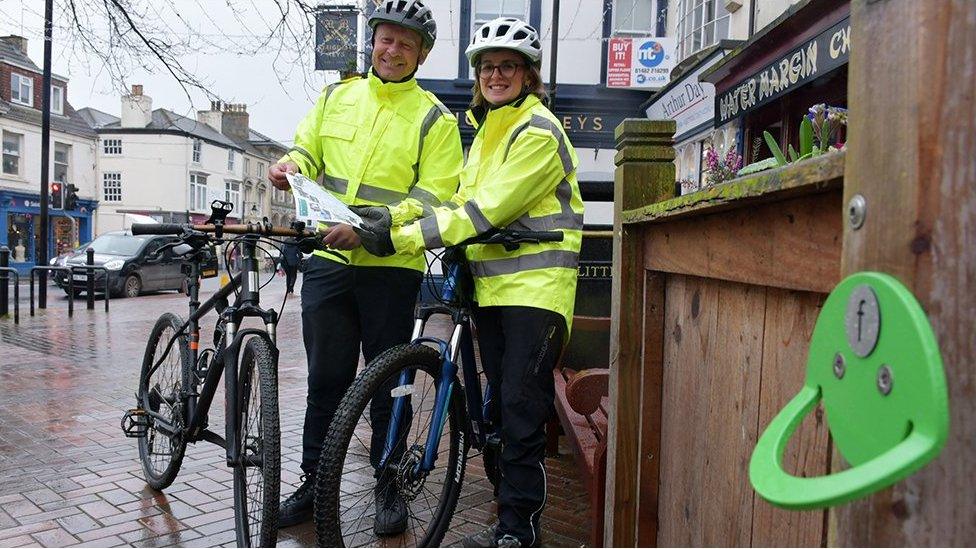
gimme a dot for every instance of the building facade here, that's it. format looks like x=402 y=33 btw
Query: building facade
x=72 y=160
x=717 y=41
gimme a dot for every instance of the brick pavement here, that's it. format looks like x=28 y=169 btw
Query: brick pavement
x=69 y=478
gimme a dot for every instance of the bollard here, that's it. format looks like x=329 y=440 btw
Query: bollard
x=4 y=263
x=90 y=260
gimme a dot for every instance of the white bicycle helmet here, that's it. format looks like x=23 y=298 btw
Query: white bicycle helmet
x=508 y=33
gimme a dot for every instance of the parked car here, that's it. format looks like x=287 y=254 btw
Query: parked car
x=130 y=264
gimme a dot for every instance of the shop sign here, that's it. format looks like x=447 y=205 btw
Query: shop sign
x=640 y=62
x=827 y=51
x=689 y=103
x=336 y=38
x=588 y=123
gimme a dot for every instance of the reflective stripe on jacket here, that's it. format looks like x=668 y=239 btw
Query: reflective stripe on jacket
x=371 y=143
x=520 y=174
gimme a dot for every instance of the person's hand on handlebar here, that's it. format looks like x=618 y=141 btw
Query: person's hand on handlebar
x=276 y=174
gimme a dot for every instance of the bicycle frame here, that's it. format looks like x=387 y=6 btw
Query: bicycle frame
x=226 y=355
x=461 y=343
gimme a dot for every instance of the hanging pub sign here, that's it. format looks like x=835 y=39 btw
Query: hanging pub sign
x=827 y=51
x=336 y=38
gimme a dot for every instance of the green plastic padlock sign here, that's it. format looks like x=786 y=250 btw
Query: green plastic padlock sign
x=875 y=364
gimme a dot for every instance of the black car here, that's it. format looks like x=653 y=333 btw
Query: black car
x=132 y=265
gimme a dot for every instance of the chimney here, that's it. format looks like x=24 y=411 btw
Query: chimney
x=212 y=117
x=235 y=122
x=136 y=109
x=16 y=41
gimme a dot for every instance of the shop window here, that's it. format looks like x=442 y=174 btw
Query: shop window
x=636 y=17
x=19 y=230
x=197 y=148
x=701 y=23
x=198 y=192
x=112 y=187
x=112 y=147
x=62 y=157
x=57 y=100
x=22 y=89
x=63 y=229
x=12 y=143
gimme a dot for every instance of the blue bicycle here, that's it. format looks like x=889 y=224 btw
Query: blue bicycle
x=432 y=420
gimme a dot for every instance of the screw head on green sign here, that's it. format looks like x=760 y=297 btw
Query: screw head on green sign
x=875 y=364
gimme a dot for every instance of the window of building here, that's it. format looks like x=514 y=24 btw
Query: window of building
x=701 y=23
x=247 y=166
x=233 y=194
x=198 y=192
x=486 y=10
x=261 y=172
x=19 y=231
x=197 y=148
x=62 y=157
x=22 y=89
x=57 y=100
x=112 y=187
x=230 y=160
x=635 y=17
x=261 y=195
x=12 y=143
x=112 y=146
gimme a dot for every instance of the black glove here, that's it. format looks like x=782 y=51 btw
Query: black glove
x=375 y=232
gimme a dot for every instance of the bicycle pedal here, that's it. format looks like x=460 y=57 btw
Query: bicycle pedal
x=135 y=423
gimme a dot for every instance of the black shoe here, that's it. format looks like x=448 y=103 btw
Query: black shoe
x=391 y=510
x=298 y=507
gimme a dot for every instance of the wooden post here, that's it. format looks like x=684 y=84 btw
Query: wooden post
x=645 y=174
x=912 y=156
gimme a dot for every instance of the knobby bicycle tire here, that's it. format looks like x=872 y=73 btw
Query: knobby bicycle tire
x=378 y=376
x=159 y=390
x=257 y=485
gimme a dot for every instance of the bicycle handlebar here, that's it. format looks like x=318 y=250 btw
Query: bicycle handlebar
x=248 y=228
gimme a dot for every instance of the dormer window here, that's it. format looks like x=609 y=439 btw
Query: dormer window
x=22 y=89
x=57 y=99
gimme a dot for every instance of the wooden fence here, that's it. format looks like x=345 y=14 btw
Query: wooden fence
x=715 y=296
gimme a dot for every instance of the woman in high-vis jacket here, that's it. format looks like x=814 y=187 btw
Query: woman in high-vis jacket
x=520 y=174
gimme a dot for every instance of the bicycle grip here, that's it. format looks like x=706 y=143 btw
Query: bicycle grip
x=541 y=236
x=157 y=228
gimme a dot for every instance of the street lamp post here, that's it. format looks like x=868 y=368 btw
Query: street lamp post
x=40 y=258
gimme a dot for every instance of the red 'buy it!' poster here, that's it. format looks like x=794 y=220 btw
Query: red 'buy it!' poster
x=618 y=62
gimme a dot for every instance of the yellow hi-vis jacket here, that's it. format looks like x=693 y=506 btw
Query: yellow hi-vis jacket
x=372 y=143
x=520 y=174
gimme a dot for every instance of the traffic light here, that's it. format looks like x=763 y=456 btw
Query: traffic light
x=70 y=196
x=57 y=196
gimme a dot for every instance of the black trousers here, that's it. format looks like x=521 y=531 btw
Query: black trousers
x=519 y=349
x=344 y=308
x=291 y=273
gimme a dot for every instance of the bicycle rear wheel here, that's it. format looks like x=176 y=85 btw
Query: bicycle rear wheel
x=161 y=449
x=257 y=476
x=346 y=480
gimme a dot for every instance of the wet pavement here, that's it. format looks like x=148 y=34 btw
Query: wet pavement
x=69 y=478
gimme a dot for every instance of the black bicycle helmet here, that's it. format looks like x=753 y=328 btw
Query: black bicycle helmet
x=411 y=14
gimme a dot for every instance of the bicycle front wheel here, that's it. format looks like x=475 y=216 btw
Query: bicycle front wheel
x=257 y=475
x=165 y=369
x=349 y=486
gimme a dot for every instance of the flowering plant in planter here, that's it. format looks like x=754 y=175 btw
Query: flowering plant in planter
x=718 y=171
x=818 y=130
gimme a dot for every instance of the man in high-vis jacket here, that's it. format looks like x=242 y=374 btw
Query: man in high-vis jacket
x=379 y=140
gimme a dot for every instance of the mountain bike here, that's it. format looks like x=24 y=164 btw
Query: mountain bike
x=434 y=421
x=178 y=380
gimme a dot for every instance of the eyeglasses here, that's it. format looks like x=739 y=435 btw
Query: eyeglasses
x=506 y=68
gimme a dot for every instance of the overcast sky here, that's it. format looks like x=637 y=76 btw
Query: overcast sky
x=276 y=90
